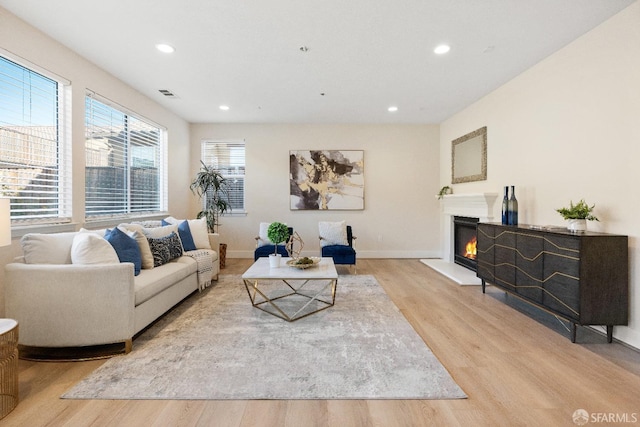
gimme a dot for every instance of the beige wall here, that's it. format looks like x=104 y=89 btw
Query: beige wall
x=568 y=128
x=400 y=219
x=27 y=43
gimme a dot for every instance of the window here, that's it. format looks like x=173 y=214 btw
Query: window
x=125 y=168
x=34 y=160
x=228 y=159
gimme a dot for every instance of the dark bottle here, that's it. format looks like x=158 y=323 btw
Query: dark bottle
x=513 y=207
x=505 y=206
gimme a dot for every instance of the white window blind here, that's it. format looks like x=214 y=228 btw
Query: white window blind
x=125 y=168
x=34 y=159
x=228 y=157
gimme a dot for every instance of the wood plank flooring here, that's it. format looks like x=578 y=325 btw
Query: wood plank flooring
x=517 y=366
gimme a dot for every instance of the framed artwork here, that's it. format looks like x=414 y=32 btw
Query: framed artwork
x=326 y=179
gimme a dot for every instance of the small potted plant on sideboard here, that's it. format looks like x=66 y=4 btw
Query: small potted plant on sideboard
x=577 y=215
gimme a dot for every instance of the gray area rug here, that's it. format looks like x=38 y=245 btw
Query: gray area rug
x=215 y=345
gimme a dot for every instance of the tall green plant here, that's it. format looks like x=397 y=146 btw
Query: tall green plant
x=210 y=184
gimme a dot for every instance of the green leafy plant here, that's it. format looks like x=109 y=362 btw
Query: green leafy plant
x=210 y=184
x=443 y=191
x=578 y=211
x=277 y=232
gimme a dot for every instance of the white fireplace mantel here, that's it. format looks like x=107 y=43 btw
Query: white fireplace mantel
x=473 y=205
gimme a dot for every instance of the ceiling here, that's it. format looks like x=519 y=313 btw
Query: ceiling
x=362 y=55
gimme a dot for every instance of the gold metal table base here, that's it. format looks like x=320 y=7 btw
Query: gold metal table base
x=260 y=298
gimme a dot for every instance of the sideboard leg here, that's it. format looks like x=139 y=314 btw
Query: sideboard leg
x=484 y=284
x=573 y=332
x=609 y=334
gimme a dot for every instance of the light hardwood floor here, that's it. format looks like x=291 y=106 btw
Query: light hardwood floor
x=517 y=369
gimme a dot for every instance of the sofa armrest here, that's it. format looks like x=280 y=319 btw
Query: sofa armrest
x=71 y=305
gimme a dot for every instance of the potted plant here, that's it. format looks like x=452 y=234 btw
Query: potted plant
x=578 y=215
x=277 y=232
x=210 y=184
x=444 y=191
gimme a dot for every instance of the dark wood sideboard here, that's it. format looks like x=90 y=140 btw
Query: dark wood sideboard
x=581 y=277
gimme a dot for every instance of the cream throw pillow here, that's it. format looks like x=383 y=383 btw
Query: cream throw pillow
x=143 y=243
x=89 y=248
x=333 y=233
x=198 y=228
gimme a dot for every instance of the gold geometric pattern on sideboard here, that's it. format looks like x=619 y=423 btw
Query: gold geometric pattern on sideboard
x=531 y=259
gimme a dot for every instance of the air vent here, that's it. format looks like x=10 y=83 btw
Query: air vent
x=167 y=93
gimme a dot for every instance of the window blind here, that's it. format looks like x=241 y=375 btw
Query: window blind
x=229 y=159
x=34 y=164
x=124 y=163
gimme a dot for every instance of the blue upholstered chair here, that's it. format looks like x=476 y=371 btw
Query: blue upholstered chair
x=264 y=247
x=337 y=242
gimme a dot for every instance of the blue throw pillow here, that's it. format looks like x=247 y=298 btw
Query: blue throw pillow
x=184 y=231
x=126 y=247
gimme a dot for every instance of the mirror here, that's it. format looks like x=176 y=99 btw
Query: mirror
x=469 y=157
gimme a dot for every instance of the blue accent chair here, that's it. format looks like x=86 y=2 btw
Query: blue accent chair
x=342 y=254
x=266 y=250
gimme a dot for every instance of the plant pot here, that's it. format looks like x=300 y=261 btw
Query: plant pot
x=576 y=225
x=274 y=260
x=222 y=254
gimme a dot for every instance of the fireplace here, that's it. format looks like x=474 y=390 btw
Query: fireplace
x=464 y=241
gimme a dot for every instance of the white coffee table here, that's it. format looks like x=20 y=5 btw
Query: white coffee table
x=291 y=293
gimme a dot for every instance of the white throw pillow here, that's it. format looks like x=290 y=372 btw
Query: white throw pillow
x=89 y=248
x=198 y=228
x=263 y=239
x=101 y=232
x=52 y=248
x=143 y=243
x=333 y=233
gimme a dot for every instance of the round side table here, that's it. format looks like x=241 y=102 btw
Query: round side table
x=8 y=366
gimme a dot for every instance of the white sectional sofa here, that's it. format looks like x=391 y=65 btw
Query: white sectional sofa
x=62 y=298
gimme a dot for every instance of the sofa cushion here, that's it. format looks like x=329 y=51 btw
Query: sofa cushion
x=126 y=247
x=89 y=248
x=165 y=249
x=143 y=244
x=151 y=282
x=53 y=248
x=198 y=228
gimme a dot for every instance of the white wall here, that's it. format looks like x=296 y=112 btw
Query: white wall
x=26 y=42
x=400 y=218
x=568 y=128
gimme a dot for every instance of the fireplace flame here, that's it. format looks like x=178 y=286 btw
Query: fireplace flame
x=470 y=249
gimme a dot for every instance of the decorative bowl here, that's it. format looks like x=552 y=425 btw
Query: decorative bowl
x=296 y=263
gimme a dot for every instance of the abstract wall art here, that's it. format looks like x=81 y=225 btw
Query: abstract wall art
x=326 y=179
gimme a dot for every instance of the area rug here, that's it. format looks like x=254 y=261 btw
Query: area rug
x=216 y=345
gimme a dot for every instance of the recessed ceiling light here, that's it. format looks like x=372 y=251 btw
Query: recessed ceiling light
x=443 y=48
x=165 y=48
x=224 y=107
x=392 y=109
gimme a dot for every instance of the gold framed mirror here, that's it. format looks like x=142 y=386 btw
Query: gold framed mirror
x=469 y=157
